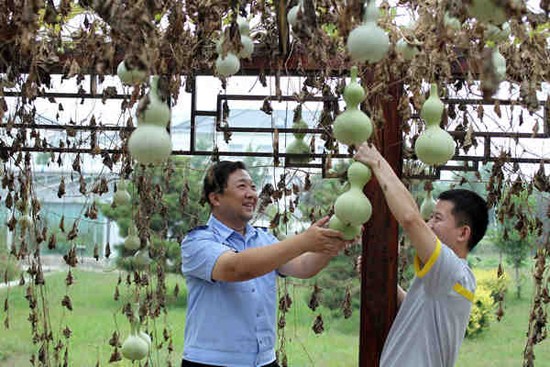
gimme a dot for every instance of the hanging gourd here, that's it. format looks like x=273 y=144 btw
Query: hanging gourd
x=368 y=42
x=406 y=50
x=487 y=11
x=353 y=208
x=122 y=196
x=292 y=15
x=348 y=231
x=353 y=126
x=434 y=146
x=248 y=46
x=428 y=204
x=130 y=75
x=497 y=34
x=150 y=143
x=499 y=64
x=451 y=22
x=298 y=145
x=132 y=241
x=138 y=344
x=152 y=109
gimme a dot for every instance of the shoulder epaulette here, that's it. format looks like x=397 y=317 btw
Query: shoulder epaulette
x=265 y=229
x=197 y=228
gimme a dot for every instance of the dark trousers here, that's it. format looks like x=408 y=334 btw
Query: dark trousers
x=186 y=363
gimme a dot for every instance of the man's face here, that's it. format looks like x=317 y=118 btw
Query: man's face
x=445 y=225
x=236 y=205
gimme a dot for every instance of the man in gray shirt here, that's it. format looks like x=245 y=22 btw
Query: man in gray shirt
x=433 y=314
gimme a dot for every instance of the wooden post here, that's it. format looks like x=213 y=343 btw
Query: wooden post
x=380 y=245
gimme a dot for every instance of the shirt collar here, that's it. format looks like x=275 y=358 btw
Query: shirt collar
x=224 y=231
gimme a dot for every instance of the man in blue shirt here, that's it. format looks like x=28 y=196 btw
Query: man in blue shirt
x=231 y=268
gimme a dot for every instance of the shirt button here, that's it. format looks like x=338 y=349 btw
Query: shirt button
x=253 y=290
x=258 y=314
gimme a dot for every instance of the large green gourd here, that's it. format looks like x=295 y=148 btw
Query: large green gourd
x=353 y=126
x=349 y=231
x=352 y=207
x=434 y=146
x=368 y=42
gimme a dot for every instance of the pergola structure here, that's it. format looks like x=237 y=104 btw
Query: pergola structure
x=380 y=239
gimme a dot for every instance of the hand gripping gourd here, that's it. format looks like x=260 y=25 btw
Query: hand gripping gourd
x=150 y=143
x=353 y=126
x=353 y=208
x=434 y=146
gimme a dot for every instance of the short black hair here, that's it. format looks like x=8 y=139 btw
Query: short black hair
x=469 y=209
x=216 y=178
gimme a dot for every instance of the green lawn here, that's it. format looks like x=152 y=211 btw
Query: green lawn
x=96 y=315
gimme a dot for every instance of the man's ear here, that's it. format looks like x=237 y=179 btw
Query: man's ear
x=213 y=198
x=465 y=233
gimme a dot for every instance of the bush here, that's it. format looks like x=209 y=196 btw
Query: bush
x=489 y=290
x=481 y=313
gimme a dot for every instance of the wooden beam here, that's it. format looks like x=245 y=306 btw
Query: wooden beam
x=380 y=244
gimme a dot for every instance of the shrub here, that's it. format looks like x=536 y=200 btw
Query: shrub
x=489 y=290
x=488 y=278
x=481 y=313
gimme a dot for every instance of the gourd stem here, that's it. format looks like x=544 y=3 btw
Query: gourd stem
x=353 y=74
x=371 y=12
x=433 y=90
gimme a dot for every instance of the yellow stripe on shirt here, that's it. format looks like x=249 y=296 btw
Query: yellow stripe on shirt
x=420 y=272
x=458 y=288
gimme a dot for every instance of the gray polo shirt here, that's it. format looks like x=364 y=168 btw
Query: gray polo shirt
x=431 y=322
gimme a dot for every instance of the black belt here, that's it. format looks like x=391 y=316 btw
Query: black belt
x=186 y=363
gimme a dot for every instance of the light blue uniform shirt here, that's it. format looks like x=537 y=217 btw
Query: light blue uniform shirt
x=227 y=323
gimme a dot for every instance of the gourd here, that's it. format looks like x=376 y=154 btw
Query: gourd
x=228 y=65
x=349 y=231
x=246 y=41
x=292 y=15
x=368 y=42
x=132 y=242
x=150 y=143
x=406 y=50
x=499 y=64
x=434 y=146
x=129 y=75
x=487 y=11
x=152 y=110
x=137 y=344
x=121 y=196
x=353 y=126
x=451 y=22
x=298 y=145
x=497 y=34
x=427 y=206
x=353 y=208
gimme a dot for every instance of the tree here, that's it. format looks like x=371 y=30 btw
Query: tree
x=515 y=231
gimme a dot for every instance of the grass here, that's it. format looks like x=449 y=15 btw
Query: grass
x=96 y=315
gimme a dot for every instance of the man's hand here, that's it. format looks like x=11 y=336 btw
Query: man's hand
x=368 y=154
x=324 y=240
